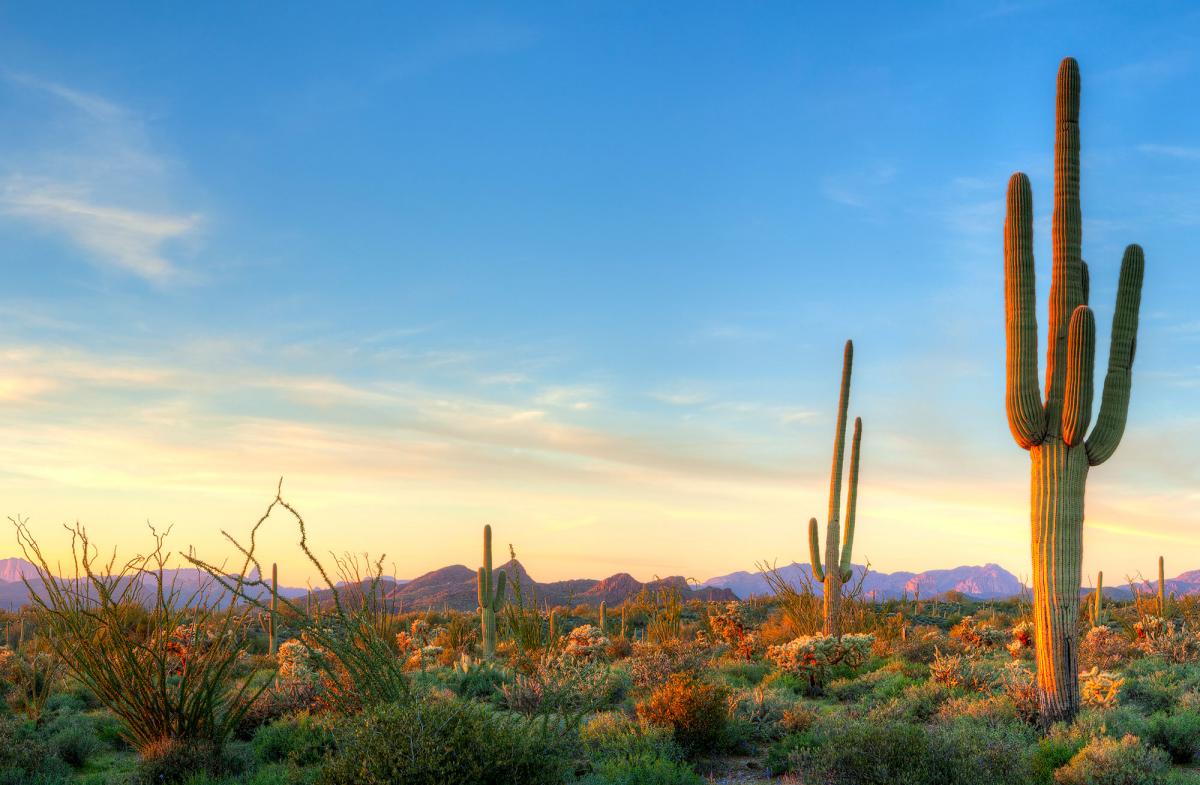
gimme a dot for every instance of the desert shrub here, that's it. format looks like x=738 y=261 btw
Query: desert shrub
x=177 y=760
x=694 y=710
x=73 y=738
x=564 y=685
x=1051 y=754
x=1178 y=734
x=432 y=742
x=917 y=703
x=301 y=741
x=650 y=663
x=275 y=703
x=922 y=643
x=741 y=674
x=1021 y=645
x=1019 y=686
x=958 y=670
x=759 y=713
x=1106 y=761
x=871 y=688
x=731 y=627
x=1104 y=648
x=478 y=679
x=25 y=755
x=615 y=735
x=1154 y=684
x=28 y=677
x=642 y=771
x=847 y=751
x=585 y=642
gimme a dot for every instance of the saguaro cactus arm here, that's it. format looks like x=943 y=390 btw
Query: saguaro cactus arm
x=1081 y=357
x=1114 y=405
x=851 y=503
x=814 y=550
x=1023 y=397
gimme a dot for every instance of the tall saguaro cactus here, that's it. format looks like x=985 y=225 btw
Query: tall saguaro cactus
x=491 y=595
x=1162 y=592
x=1098 y=601
x=836 y=570
x=1054 y=431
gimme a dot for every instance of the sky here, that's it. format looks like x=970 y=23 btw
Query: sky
x=582 y=271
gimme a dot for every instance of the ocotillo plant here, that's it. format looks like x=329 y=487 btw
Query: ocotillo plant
x=274 y=609
x=491 y=595
x=1098 y=601
x=1055 y=431
x=836 y=570
x=603 y=617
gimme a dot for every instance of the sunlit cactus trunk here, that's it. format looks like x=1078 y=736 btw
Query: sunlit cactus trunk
x=836 y=570
x=1055 y=430
x=491 y=596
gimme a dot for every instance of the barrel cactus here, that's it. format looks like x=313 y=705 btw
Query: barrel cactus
x=1055 y=431
x=836 y=569
x=491 y=595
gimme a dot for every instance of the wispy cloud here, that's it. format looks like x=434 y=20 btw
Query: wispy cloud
x=1171 y=151
x=859 y=188
x=99 y=185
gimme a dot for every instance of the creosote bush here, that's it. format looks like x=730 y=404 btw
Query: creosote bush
x=695 y=710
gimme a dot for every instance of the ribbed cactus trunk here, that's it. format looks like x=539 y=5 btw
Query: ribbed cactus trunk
x=491 y=595
x=603 y=617
x=623 y=628
x=1054 y=430
x=836 y=570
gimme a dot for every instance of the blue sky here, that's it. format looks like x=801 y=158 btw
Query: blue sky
x=582 y=271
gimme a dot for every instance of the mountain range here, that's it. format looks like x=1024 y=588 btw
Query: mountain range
x=454 y=586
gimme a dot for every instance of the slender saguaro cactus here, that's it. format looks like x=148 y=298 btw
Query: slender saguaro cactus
x=603 y=617
x=491 y=595
x=1054 y=431
x=1098 y=601
x=274 y=609
x=623 y=630
x=836 y=570
x=1162 y=594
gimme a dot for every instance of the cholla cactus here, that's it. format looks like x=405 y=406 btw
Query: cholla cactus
x=295 y=665
x=1055 y=431
x=1155 y=635
x=813 y=655
x=730 y=628
x=836 y=570
x=1022 y=640
x=585 y=643
x=976 y=637
x=491 y=595
x=1103 y=648
x=1100 y=689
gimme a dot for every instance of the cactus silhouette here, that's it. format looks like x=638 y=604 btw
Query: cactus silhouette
x=836 y=570
x=491 y=595
x=1054 y=431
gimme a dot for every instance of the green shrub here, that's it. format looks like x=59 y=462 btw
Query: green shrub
x=431 y=742
x=847 y=751
x=73 y=738
x=481 y=681
x=741 y=674
x=694 y=710
x=918 y=703
x=643 y=770
x=612 y=735
x=175 y=761
x=25 y=756
x=298 y=740
x=1178 y=734
x=1106 y=761
x=1051 y=754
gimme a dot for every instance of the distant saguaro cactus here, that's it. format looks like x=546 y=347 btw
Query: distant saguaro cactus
x=1055 y=431
x=1098 y=601
x=603 y=617
x=1162 y=593
x=836 y=570
x=491 y=595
